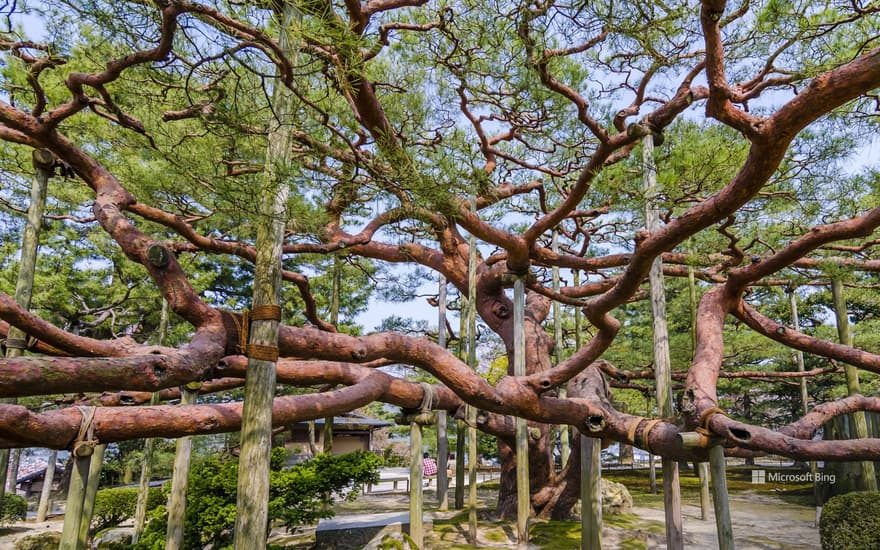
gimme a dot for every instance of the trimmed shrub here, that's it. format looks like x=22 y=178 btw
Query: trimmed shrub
x=851 y=522
x=301 y=495
x=12 y=508
x=113 y=506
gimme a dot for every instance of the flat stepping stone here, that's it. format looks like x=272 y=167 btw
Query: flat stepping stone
x=356 y=531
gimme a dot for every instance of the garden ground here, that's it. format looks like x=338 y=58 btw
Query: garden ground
x=766 y=516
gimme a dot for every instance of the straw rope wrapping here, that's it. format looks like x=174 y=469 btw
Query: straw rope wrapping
x=85 y=442
x=238 y=325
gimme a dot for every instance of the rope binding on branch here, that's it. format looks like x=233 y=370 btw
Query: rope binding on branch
x=238 y=326
x=85 y=442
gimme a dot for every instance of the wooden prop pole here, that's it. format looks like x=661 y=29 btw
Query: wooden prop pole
x=473 y=459
x=662 y=368
x=853 y=386
x=805 y=404
x=95 y=466
x=591 y=493
x=252 y=517
x=140 y=511
x=460 y=424
x=16 y=340
x=73 y=510
x=327 y=435
x=180 y=480
x=564 y=443
x=705 y=501
x=46 y=493
x=442 y=436
x=702 y=467
x=523 y=498
x=416 y=525
x=720 y=497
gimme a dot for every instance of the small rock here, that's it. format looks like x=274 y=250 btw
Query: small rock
x=110 y=539
x=615 y=498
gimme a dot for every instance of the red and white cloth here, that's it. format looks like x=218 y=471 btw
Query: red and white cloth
x=429 y=466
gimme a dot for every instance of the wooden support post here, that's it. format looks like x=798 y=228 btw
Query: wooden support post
x=652 y=468
x=252 y=517
x=564 y=444
x=14 y=466
x=853 y=386
x=591 y=493
x=416 y=525
x=442 y=437
x=523 y=493
x=327 y=435
x=662 y=374
x=703 y=470
x=140 y=511
x=805 y=404
x=95 y=466
x=720 y=498
x=702 y=467
x=45 y=505
x=16 y=340
x=461 y=428
x=473 y=459
x=73 y=510
x=180 y=480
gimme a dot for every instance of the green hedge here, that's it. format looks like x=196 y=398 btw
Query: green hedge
x=12 y=508
x=851 y=522
x=113 y=506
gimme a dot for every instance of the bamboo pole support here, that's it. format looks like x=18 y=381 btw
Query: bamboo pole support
x=662 y=367
x=73 y=510
x=720 y=498
x=180 y=481
x=523 y=498
x=46 y=492
x=416 y=525
x=564 y=443
x=16 y=340
x=853 y=387
x=591 y=493
x=95 y=466
x=251 y=522
x=442 y=437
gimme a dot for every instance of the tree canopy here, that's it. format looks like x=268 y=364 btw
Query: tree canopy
x=158 y=114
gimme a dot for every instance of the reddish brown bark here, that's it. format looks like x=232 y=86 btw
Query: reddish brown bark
x=124 y=369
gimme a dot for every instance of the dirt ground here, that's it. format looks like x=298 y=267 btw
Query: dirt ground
x=760 y=522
